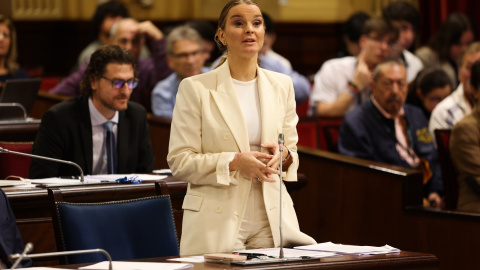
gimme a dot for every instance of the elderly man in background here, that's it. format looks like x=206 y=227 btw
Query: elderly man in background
x=131 y=35
x=387 y=130
x=185 y=57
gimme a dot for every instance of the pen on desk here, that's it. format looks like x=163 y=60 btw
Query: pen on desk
x=253 y=255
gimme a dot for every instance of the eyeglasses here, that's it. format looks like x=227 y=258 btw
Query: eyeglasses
x=388 y=84
x=184 y=56
x=118 y=84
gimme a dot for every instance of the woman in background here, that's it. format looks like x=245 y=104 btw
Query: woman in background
x=465 y=149
x=223 y=142
x=430 y=87
x=446 y=46
x=9 y=68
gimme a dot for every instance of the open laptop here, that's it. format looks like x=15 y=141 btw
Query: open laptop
x=22 y=91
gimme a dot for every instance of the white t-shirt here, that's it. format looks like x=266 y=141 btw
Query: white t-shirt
x=449 y=111
x=414 y=65
x=250 y=103
x=332 y=80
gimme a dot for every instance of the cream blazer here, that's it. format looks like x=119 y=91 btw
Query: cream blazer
x=208 y=128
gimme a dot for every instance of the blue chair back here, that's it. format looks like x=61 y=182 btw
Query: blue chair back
x=127 y=229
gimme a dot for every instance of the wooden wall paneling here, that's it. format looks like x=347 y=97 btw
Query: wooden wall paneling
x=354 y=201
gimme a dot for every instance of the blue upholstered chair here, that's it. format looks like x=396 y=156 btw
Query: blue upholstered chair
x=127 y=229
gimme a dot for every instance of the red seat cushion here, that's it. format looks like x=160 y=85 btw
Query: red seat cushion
x=12 y=164
x=307 y=134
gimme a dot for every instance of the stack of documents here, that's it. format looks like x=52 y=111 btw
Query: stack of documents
x=350 y=249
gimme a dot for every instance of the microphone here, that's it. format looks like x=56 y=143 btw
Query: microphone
x=22 y=256
x=14 y=104
x=281 y=141
x=3 y=150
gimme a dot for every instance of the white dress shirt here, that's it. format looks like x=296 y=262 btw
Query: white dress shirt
x=98 y=137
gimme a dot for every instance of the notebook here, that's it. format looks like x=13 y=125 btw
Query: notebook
x=22 y=91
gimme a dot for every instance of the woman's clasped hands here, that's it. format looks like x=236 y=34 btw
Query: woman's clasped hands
x=256 y=165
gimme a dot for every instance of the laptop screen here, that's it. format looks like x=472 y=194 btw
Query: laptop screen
x=22 y=91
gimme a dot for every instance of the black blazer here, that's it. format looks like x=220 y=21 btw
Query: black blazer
x=66 y=133
x=10 y=238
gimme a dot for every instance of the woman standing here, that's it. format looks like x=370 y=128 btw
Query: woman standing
x=8 y=53
x=223 y=142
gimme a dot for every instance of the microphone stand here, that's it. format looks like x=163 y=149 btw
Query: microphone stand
x=280 y=146
x=22 y=256
x=14 y=104
x=3 y=150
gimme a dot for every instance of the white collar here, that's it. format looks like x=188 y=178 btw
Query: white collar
x=96 y=117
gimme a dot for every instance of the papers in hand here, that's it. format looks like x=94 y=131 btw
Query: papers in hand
x=139 y=265
x=349 y=249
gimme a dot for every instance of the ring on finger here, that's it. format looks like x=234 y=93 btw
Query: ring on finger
x=258 y=180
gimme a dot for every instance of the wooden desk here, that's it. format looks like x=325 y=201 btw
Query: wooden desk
x=19 y=132
x=34 y=220
x=354 y=201
x=27 y=132
x=402 y=260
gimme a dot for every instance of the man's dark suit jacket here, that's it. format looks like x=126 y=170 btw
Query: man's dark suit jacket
x=66 y=133
x=10 y=238
x=366 y=133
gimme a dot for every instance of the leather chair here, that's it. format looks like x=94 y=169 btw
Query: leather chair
x=449 y=175
x=15 y=165
x=133 y=228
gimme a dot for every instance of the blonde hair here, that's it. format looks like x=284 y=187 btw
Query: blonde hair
x=222 y=20
x=11 y=58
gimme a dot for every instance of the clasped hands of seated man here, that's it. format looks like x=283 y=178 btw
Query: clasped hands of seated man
x=257 y=165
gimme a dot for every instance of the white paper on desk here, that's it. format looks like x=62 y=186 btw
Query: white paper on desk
x=117 y=265
x=288 y=252
x=192 y=259
x=163 y=171
x=55 y=180
x=349 y=249
x=11 y=183
x=110 y=178
x=113 y=177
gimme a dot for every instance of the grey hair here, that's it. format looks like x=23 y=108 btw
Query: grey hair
x=181 y=33
x=389 y=62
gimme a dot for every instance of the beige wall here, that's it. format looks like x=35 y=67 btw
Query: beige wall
x=281 y=10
